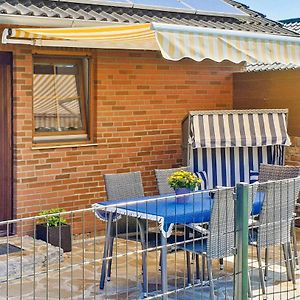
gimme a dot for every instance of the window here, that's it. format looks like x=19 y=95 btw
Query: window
x=60 y=99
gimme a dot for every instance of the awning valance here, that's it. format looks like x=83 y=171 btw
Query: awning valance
x=174 y=41
x=238 y=129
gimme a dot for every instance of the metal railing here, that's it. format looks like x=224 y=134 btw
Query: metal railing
x=161 y=247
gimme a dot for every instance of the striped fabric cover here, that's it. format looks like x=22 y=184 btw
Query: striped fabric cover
x=253 y=176
x=228 y=166
x=179 y=41
x=204 y=180
x=173 y=40
x=216 y=130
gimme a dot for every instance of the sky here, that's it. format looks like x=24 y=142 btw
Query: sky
x=275 y=9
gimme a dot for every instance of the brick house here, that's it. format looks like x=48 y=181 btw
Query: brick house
x=134 y=102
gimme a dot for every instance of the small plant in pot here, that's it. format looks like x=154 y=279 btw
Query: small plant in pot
x=183 y=182
x=54 y=229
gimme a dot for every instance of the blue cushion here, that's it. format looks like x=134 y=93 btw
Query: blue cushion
x=253 y=176
x=204 y=180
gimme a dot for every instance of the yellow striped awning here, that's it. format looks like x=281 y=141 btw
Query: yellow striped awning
x=174 y=41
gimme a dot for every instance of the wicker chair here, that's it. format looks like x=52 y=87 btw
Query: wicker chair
x=162 y=179
x=118 y=187
x=218 y=240
x=274 y=172
x=274 y=223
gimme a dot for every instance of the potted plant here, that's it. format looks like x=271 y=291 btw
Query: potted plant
x=183 y=182
x=54 y=229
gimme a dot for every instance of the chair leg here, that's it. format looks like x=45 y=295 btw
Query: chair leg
x=261 y=274
x=203 y=268
x=188 y=267
x=159 y=267
x=103 y=268
x=210 y=278
x=286 y=260
x=250 y=295
x=292 y=265
x=111 y=247
x=105 y=251
x=144 y=259
x=266 y=263
x=221 y=260
x=197 y=267
x=294 y=239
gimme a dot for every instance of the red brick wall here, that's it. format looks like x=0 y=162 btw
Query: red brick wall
x=141 y=100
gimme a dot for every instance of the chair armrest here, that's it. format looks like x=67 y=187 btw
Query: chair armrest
x=198 y=227
x=252 y=223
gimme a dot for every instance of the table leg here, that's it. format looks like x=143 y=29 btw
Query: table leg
x=144 y=258
x=105 y=251
x=164 y=270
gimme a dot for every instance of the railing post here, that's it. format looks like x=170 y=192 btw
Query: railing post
x=241 y=258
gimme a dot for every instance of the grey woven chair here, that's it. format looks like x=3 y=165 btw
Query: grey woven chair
x=218 y=240
x=274 y=172
x=162 y=179
x=269 y=172
x=118 y=187
x=274 y=223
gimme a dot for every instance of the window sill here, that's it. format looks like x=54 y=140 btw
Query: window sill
x=43 y=147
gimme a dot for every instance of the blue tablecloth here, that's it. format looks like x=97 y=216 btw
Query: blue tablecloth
x=167 y=211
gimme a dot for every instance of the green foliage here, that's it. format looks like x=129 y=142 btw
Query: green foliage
x=184 y=179
x=53 y=221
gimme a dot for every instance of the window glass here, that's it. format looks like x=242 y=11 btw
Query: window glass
x=59 y=97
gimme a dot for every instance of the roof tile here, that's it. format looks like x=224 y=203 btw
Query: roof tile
x=87 y=11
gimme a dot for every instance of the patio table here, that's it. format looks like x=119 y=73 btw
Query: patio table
x=167 y=212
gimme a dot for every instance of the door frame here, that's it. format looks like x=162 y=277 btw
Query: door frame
x=6 y=139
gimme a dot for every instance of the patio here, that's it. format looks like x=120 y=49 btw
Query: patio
x=76 y=274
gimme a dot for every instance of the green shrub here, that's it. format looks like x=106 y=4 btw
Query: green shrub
x=53 y=221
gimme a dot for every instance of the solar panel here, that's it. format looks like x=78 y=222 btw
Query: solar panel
x=213 y=6
x=119 y=3
x=168 y=5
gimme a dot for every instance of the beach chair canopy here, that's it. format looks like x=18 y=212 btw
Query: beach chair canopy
x=228 y=145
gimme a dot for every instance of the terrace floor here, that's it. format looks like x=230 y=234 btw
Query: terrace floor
x=76 y=274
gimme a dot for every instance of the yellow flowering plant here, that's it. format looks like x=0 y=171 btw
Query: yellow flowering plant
x=184 y=179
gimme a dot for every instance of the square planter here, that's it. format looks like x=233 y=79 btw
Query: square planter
x=59 y=236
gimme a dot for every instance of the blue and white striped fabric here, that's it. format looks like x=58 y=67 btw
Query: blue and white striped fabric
x=238 y=129
x=231 y=165
x=253 y=176
x=204 y=180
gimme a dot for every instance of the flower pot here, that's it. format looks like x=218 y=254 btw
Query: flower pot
x=181 y=191
x=59 y=236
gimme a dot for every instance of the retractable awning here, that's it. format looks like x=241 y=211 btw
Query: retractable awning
x=174 y=41
x=238 y=129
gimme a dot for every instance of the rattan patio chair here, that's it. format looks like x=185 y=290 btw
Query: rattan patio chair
x=162 y=179
x=118 y=187
x=275 y=172
x=274 y=223
x=217 y=241
x=123 y=186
